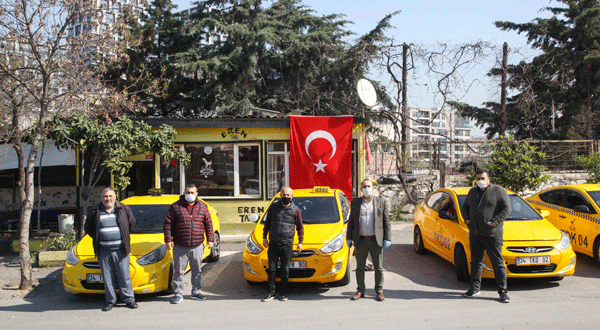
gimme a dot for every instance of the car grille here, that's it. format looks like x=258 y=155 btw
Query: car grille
x=302 y=254
x=94 y=286
x=535 y=269
x=530 y=249
x=92 y=265
x=298 y=273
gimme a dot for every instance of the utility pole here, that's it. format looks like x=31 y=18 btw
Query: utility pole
x=404 y=114
x=503 y=85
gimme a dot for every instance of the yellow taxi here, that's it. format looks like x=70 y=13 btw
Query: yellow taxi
x=325 y=257
x=150 y=261
x=574 y=210
x=533 y=247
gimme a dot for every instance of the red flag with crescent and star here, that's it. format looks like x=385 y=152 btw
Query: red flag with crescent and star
x=321 y=152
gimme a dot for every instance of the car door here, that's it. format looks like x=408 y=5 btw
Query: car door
x=445 y=236
x=430 y=220
x=552 y=202
x=582 y=229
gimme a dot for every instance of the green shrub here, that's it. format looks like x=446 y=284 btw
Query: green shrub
x=64 y=242
x=592 y=164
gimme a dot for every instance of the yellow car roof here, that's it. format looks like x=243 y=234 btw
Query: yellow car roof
x=149 y=199
x=585 y=186
x=465 y=190
x=316 y=191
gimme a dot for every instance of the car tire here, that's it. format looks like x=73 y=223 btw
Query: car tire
x=418 y=242
x=215 y=252
x=462 y=266
x=346 y=279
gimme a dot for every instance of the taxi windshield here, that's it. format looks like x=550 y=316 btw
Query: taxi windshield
x=520 y=210
x=149 y=218
x=595 y=196
x=315 y=210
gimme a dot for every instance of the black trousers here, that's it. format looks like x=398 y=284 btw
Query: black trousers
x=279 y=252
x=493 y=246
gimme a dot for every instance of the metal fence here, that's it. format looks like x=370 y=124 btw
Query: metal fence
x=462 y=157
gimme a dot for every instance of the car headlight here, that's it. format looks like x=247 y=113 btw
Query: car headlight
x=71 y=257
x=154 y=256
x=335 y=245
x=564 y=243
x=252 y=247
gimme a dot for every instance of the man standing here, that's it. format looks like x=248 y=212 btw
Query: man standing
x=186 y=223
x=283 y=219
x=369 y=229
x=484 y=211
x=109 y=224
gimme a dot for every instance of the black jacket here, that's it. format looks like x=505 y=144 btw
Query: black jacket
x=493 y=207
x=125 y=221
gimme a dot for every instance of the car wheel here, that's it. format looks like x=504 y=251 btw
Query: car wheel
x=418 y=242
x=462 y=267
x=346 y=279
x=215 y=252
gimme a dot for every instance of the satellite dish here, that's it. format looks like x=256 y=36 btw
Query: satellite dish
x=366 y=92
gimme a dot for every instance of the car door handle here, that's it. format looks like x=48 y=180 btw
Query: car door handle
x=562 y=216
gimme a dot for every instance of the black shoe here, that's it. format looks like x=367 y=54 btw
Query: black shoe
x=107 y=307
x=131 y=304
x=504 y=296
x=470 y=293
x=268 y=297
x=283 y=297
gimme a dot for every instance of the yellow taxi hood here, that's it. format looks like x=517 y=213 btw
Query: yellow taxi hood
x=313 y=234
x=530 y=230
x=141 y=244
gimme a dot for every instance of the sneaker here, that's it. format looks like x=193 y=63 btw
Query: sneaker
x=504 y=296
x=470 y=293
x=198 y=296
x=268 y=297
x=283 y=297
x=176 y=300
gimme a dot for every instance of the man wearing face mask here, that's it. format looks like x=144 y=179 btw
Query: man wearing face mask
x=281 y=220
x=184 y=227
x=369 y=229
x=484 y=211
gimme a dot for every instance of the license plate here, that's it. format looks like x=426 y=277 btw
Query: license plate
x=295 y=264
x=533 y=260
x=94 y=278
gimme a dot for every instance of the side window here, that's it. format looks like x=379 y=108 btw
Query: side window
x=434 y=200
x=553 y=197
x=573 y=198
x=447 y=204
x=345 y=204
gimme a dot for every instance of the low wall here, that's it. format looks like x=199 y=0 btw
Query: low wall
x=396 y=195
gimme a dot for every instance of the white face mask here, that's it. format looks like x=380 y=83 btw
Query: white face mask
x=190 y=198
x=367 y=192
x=482 y=184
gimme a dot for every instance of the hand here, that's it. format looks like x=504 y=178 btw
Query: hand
x=169 y=245
x=299 y=247
x=387 y=244
x=265 y=242
x=467 y=221
x=349 y=243
x=211 y=244
x=491 y=224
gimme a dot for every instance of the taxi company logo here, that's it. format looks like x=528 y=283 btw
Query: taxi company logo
x=530 y=250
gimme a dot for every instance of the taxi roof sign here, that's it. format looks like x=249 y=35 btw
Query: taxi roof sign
x=155 y=191
x=320 y=189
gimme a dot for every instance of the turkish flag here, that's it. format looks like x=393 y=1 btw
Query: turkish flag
x=321 y=152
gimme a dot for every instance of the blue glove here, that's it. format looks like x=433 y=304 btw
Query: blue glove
x=387 y=244
x=349 y=243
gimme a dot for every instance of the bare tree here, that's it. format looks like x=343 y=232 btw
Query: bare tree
x=45 y=70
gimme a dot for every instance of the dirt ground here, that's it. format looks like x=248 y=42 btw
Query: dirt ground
x=10 y=276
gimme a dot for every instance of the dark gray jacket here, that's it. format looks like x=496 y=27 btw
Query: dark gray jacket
x=494 y=206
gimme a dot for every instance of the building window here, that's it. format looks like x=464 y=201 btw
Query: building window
x=224 y=169
x=278 y=167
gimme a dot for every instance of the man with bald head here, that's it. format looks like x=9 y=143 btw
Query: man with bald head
x=282 y=220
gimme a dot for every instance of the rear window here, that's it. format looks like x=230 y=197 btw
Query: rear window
x=315 y=210
x=149 y=218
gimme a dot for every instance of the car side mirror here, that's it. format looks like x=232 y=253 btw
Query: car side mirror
x=581 y=208
x=253 y=217
x=446 y=215
x=545 y=213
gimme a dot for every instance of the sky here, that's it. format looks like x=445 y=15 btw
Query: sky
x=427 y=22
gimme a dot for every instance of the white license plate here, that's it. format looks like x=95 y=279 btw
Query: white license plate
x=94 y=278
x=295 y=264
x=533 y=260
